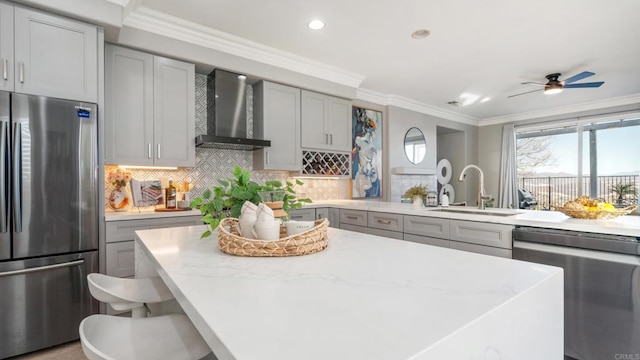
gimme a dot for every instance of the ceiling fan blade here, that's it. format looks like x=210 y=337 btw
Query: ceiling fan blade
x=582 y=75
x=532 y=83
x=528 y=92
x=584 y=85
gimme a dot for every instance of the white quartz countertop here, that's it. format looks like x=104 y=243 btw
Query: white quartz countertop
x=146 y=214
x=625 y=225
x=364 y=297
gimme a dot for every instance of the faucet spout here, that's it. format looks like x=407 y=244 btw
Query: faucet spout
x=482 y=194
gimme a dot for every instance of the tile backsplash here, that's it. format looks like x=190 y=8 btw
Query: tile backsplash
x=401 y=183
x=213 y=164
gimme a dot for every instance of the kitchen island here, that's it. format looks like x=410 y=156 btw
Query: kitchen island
x=364 y=297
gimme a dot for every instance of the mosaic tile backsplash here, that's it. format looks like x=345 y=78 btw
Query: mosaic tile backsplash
x=213 y=164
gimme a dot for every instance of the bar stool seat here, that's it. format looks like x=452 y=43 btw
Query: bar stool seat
x=162 y=337
x=128 y=294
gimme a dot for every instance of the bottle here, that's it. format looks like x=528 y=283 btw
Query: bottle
x=444 y=202
x=170 y=194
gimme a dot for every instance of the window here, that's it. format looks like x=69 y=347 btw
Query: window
x=557 y=164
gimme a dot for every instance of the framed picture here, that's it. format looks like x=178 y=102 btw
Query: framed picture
x=366 y=154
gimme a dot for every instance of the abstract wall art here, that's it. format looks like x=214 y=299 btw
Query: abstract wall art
x=366 y=153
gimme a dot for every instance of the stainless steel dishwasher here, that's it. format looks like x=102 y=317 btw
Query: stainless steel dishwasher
x=602 y=288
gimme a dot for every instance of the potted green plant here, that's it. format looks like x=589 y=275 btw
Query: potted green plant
x=622 y=189
x=417 y=193
x=226 y=200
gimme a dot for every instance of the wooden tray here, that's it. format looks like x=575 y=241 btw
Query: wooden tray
x=171 y=210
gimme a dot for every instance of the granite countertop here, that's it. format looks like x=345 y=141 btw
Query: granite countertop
x=364 y=297
x=625 y=225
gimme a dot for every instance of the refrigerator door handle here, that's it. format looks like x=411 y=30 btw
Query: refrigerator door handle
x=4 y=152
x=17 y=174
x=42 y=268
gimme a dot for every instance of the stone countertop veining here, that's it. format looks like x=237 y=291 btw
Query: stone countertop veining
x=625 y=225
x=364 y=297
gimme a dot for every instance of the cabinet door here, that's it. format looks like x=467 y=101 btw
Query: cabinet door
x=480 y=249
x=6 y=46
x=174 y=113
x=277 y=118
x=334 y=218
x=128 y=106
x=322 y=213
x=496 y=235
x=120 y=259
x=372 y=231
x=314 y=113
x=55 y=56
x=427 y=240
x=427 y=226
x=339 y=124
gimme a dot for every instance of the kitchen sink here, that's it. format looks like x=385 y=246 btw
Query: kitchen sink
x=476 y=211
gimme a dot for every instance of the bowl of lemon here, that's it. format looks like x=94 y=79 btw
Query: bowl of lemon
x=584 y=207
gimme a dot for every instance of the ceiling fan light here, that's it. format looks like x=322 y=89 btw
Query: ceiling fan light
x=552 y=89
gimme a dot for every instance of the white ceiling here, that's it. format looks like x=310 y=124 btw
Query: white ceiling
x=479 y=47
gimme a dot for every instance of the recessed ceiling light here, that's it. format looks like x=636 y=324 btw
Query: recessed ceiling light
x=420 y=34
x=242 y=77
x=315 y=24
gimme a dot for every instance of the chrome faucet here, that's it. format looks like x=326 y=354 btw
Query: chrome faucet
x=482 y=194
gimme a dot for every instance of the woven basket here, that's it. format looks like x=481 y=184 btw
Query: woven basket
x=596 y=215
x=308 y=242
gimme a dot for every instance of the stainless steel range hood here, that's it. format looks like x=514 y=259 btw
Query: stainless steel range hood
x=227 y=114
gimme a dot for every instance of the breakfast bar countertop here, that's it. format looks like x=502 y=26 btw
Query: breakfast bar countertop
x=364 y=297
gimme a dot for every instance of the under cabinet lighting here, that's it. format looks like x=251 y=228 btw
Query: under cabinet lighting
x=148 y=167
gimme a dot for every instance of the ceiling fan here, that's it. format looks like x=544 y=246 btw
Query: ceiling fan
x=555 y=86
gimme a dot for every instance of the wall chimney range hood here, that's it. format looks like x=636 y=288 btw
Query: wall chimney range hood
x=227 y=114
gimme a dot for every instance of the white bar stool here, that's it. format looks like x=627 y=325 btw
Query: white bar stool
x=162 y=337
x=128 y=294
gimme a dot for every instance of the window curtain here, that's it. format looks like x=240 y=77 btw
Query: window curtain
x=508 y=197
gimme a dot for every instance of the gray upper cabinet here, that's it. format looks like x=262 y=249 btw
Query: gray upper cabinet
x=174 y=127
x=326 y=122
x=150 y=109
x=53 y=56
x=6 y=46
x=277 y=118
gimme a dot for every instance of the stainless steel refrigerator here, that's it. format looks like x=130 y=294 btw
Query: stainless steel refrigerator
x=48 y=220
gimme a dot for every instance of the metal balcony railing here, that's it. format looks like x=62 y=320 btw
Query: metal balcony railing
x=551 y=191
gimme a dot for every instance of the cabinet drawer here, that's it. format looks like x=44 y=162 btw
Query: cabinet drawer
x=124 y=230
x=426 y=226
x=303 y=214
x=353 y=217
x=371 y=231
x=120 y=259
x=488 y=234
x=427 y=240
x=480 y=249
x=385 y=221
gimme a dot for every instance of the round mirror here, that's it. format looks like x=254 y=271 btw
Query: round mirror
x=415 y=145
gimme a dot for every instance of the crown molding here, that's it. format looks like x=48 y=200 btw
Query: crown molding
x=592 y=105
x=405 y=103
x=163 y=24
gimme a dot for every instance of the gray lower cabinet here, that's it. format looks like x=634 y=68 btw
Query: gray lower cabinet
x=385 y=221
x=120 y=235
x=427 y=240
x=372 y=231
x=473 y=236
x=334 y=218
x=303 y=214
x=353 y=217
x=481 y=249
